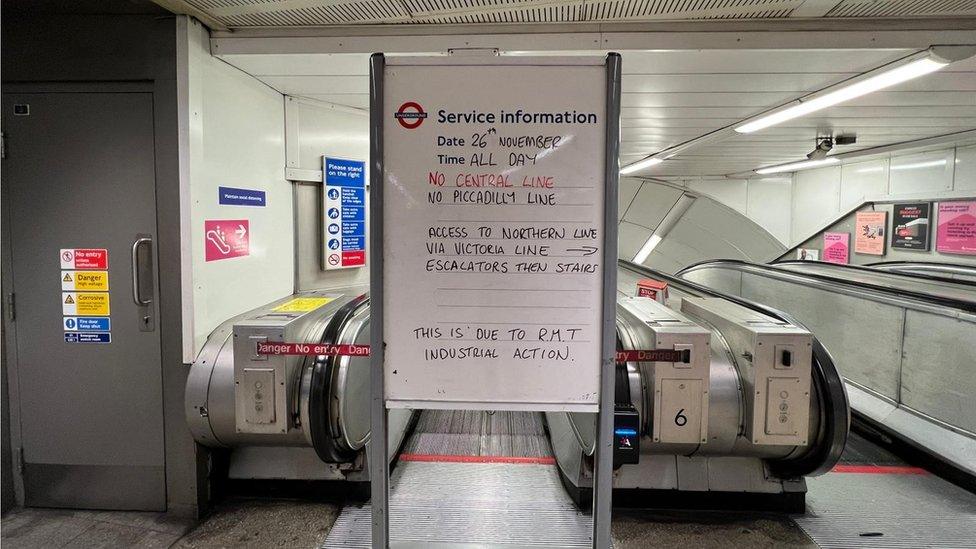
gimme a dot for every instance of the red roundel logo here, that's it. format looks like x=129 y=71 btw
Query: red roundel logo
x=410 y=115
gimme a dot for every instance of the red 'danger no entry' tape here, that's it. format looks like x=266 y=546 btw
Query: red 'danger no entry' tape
x=324 y=349
x=312 y=349
x=654 y=355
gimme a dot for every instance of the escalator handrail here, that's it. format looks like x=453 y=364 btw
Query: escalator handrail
x=867 y=269
x=919 y=297
x=325 y=444
x=968 y=270
x=826 y=451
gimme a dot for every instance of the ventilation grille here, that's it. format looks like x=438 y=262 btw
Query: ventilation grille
x=290 y=13
x=903 y=8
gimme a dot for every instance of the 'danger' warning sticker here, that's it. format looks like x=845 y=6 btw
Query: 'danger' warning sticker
x=85 y=303
x=84 y=280
x=302 y=304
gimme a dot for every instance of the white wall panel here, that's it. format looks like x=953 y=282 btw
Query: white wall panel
x=929 y=172
x=235 y=138
x=651 y=204
x=964 y=178
x=731 y=192
x=630 y=238
x=323 y=130
x=769 y=205
x=816 y=199
x=862 y=180
x=736 y=236
x=707 y=230
x=626 y=192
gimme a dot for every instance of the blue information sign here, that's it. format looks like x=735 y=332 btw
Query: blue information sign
x=87 y=324
x=345 y=212
x=230 y=196
x=87 y=337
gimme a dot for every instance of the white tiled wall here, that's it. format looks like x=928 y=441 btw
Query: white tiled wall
x=816 y=194
x=769 y=204
x=794 y=210
x=858 y=182
x=925 y=173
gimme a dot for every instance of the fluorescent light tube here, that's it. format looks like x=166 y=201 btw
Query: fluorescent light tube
x=647 y=248
x=640 y=165
x=794 y=166
x=845 y=92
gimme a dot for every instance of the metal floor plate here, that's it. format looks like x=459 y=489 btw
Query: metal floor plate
x=473 y=504
x=888 y=511
x=475 y=433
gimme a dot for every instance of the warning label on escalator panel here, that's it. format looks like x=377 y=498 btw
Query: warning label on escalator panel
x=302 y=304
x=226 y=238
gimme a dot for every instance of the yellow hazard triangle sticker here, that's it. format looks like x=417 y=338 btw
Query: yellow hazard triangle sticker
x=68 y=299
x=67 y=278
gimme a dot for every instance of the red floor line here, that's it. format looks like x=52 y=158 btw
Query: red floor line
x=879 y=469
x=444 y=458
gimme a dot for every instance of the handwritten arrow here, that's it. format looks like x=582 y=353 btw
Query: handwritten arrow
x=241 y=231
x=585 y=250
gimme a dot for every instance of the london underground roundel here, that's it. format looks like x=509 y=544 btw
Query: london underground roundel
x=410 y=115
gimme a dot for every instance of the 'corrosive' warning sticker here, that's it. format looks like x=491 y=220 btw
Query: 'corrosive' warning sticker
x=96 y=281
x=85 y=303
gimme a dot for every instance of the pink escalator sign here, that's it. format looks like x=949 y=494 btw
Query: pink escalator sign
x=226 y=238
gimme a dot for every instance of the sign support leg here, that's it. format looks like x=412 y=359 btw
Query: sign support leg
x=603 y=473
x=379 y=464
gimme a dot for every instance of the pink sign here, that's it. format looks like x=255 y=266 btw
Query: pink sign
x=226 y=238
x=957 y=228
x=836 y=247
x=870 y=236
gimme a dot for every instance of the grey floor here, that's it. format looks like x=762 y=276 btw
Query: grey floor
x=250 y=523
x=48 y=528
x=843 y=510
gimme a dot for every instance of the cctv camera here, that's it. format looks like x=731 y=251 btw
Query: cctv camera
x=824 y=144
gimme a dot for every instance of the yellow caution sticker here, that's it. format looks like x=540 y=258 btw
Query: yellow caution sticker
x=95 y=281
x=85 y=303
x=302 y=304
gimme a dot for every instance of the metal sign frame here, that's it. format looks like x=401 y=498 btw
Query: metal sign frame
x=379 y=465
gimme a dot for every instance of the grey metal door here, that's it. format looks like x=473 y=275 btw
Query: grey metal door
x=79 y=173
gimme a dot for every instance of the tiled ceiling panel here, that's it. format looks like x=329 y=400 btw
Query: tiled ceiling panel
x=301 y=13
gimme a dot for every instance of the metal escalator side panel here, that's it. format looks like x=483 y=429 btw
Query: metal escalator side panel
x=320 y=389
x=211 y=403
x=197 y=393
x=953 y=295
x=349 y=406
x=834 y=413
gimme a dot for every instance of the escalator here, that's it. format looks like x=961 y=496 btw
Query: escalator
x=289 y=417
x=929 y=284
x=905 y=343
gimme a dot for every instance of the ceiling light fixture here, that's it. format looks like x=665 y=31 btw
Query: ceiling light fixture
x=640 y=165
x=794 y=166
x=647 y=248
x=913 y=66
x=669 y=221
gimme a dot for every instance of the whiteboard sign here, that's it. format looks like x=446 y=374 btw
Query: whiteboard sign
x=493 y=212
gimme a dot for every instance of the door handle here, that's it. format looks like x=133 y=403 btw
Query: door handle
x=136 y=277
